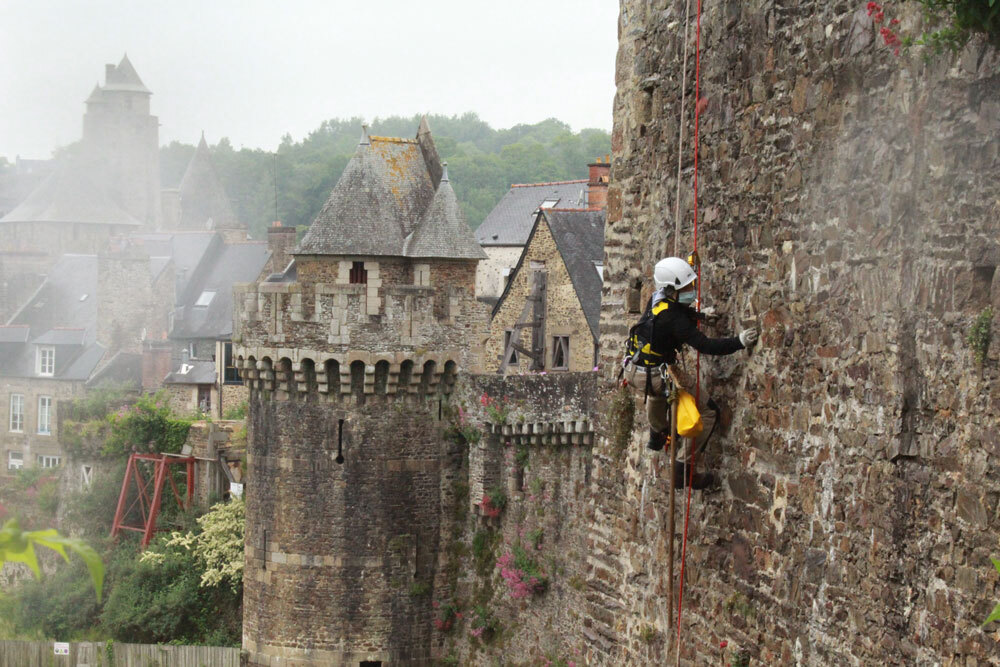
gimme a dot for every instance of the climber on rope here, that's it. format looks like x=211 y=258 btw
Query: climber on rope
x=668 y=323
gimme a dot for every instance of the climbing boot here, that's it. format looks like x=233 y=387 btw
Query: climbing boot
x=701 y=480
x=657 y=440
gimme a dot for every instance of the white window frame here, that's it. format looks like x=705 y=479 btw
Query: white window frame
x=45 y=410
x=560 y=344
x=16 y=426
x=45 y=361
x=47 y=461
x=12 y=463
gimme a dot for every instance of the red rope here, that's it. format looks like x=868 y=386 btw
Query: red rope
x=697 y=391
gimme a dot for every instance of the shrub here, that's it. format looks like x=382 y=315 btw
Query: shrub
x=147 y=426
x=238 y=412
x=980 y=335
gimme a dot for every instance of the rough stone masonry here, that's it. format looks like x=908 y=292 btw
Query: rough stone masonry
x=849 y=203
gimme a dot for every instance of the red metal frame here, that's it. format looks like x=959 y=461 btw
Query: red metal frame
x=150 y=508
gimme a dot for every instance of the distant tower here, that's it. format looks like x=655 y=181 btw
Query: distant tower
x=350 y=356
x=121 y=141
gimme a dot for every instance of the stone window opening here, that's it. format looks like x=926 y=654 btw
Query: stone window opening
x=382 y=377
x=204 y=398
x=332 y=367
x=308 y=367
x=560 y=353
x=358 y=274
x=512 y=354
x=340 y=442
x=15 y=460
x=358 y=379
x=427 y=378
x=87 y=474
x=405 y=377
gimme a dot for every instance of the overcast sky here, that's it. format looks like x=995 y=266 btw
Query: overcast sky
x=253 y=70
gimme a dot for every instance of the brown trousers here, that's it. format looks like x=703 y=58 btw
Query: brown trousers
x=658 y=409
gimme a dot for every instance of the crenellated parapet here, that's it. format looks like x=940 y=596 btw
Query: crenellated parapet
x=291 y=374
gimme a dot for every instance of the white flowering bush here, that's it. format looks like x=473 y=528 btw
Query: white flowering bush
x=218 y=547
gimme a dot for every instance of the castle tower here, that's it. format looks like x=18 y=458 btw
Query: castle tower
x=121 y=141
x=350 y=357
x=203 y=201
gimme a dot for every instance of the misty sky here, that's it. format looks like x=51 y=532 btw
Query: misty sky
x=254 y=70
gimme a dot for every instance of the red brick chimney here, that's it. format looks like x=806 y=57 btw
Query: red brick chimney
x=281 y=242
x=597 y=187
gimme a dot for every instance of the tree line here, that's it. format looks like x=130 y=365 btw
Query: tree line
x=482 y=162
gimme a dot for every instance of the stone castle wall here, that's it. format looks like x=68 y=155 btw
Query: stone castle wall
x=848 y=206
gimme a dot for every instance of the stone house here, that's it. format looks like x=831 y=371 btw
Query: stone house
x=562 y=264
x=506 y=229
x=205 y=379
x=48 y=352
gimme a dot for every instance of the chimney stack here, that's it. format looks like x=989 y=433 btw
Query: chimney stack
x=597 y=187
x=281 y=242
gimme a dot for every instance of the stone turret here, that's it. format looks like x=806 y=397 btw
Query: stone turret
x=121 y=142
x=351 y=359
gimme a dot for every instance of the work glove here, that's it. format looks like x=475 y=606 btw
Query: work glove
x=748 y=337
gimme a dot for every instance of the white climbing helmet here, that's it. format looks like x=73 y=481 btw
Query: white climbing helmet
x=673 y=272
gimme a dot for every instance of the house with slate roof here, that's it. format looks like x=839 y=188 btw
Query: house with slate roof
x=564 y=252
x=48 y=352
x=505 y=230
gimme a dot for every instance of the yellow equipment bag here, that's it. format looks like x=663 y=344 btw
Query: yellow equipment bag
x=688 y=418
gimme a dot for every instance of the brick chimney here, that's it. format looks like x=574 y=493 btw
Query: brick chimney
x=597 y=187
x=281 y=242
x=155 y=364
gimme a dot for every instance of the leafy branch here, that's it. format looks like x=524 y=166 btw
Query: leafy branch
x=17 y=546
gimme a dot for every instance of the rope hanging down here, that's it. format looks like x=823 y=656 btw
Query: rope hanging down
x=690 y=467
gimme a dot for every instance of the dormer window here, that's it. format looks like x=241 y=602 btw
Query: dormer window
x=205 y=298
x=45 y=361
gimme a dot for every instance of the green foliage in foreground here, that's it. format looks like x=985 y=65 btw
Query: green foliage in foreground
x=187 y=588
x=995 y=614
x=482 y=163
x=17 y=546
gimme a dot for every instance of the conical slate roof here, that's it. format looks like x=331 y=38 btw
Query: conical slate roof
x=377 y=202
x=202 y=196
x=124 y=77
x=69 y=194
x=443 y=230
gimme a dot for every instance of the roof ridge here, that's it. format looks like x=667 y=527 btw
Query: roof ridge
x=537 y=185
x=574 y=210
x=394 y=140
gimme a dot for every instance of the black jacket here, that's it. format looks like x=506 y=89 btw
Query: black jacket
x=676 y=325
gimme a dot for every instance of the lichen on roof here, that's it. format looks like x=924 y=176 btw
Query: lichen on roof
x=382 y=204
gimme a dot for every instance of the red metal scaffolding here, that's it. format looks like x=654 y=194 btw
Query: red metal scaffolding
x=149 y=508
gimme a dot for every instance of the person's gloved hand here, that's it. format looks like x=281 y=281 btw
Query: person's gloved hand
x=749 y=337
